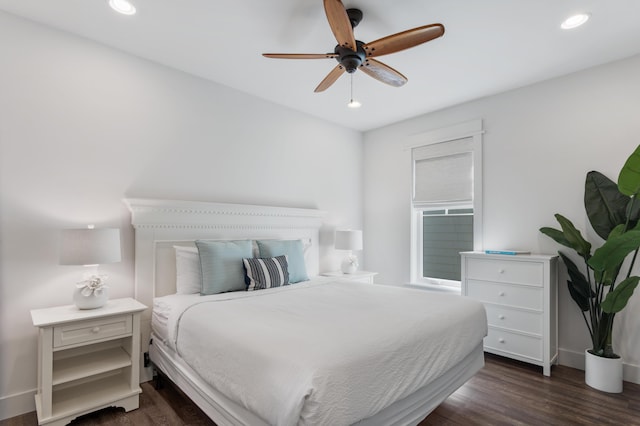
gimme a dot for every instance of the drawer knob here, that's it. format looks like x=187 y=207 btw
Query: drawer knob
x=501 y=294
x=501 y=317
x=501 y=271
x=501 y=340
x=95 y=330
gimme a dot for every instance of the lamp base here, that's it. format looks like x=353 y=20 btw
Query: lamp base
x=90 y=302
x=349 y=264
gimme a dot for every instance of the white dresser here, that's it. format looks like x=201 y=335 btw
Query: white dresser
x=520 y=295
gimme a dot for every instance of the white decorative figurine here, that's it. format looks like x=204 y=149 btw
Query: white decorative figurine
x=92 y=292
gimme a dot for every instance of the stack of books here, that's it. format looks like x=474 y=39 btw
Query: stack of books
x=507 y=252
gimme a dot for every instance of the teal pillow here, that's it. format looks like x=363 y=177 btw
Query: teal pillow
x=293 y=249
x=221 y=264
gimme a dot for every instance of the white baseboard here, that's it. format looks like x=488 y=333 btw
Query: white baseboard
x=17 y=404
x=630 y=372
x=571 y=358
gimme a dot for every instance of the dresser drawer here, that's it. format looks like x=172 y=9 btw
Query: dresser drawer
x=506 y=271
x=513 y=343
x=505 y=294
x=514 y=319
x=96 y=330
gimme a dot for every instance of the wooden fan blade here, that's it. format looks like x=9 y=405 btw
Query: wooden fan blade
x=300 y=55
x=404 y=40
x=330 y=78
x=340 y=23
x=383 y=73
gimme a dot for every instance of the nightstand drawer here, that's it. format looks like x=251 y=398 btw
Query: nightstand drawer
x=514 y=319
x=505 y=294
x=96 y=330
x=513 y=343
x=506 y=271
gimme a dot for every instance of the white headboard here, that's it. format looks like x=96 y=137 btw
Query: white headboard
x=161 y=224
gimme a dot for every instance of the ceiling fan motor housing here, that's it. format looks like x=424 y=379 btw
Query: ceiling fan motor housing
x=350 y=59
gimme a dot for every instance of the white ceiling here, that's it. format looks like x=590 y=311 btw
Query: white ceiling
x=489 y=46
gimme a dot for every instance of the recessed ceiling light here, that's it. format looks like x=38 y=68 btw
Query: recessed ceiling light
x=122 y=6
x=575 y=21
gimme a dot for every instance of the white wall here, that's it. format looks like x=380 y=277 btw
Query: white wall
x=82 y=126
x=540 y=142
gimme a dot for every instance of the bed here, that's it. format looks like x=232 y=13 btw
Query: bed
x=321 y=351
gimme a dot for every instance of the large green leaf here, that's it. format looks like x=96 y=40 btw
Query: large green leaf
x=629 y=177
x=617 y=299
x=615 y=250
x=633 y=211
x=616 y=232
x=556 y=235
x=574 y=237
x=609 y=276
x=579 y=287
x=605 y=205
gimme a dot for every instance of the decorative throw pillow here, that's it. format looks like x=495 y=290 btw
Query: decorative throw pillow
x=293 y=249
x=266 y=272
x=221 y=264
x=188 y=273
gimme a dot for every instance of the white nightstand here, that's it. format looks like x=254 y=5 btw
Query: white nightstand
x=360 y=276
x=87 y=359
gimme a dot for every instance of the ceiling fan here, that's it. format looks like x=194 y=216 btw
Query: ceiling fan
x=353 y=54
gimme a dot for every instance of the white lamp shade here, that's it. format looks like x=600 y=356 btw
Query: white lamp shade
x=348 y=240
x=90 y=246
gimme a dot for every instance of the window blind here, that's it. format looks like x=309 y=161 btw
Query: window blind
x=443 y=173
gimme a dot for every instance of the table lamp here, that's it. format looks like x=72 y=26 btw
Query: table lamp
x=349 y=240
x=90 y=247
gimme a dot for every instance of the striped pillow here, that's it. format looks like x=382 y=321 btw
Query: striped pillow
x=267 y=272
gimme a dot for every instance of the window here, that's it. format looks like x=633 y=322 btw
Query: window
x=446 y=202
x=445 y=233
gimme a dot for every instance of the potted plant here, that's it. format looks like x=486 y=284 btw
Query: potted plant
x=614 y=213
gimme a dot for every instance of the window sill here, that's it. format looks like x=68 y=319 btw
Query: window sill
x=433 y=287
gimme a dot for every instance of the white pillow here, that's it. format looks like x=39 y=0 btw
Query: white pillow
x=188 y=272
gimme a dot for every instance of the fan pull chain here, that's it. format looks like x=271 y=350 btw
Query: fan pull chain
x=352 y=103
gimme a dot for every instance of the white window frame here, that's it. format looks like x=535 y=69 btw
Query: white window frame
x=473 y=130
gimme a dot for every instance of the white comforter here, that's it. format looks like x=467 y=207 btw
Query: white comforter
x=329 y=353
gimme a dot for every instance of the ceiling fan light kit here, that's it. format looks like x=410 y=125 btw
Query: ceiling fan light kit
x=123 y=6
x=575 y=21
x=353 y=54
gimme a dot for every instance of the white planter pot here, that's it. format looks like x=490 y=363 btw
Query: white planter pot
x=90 y=302
x=604 y=374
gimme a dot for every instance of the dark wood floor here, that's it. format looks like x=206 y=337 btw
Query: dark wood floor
x=504 y=392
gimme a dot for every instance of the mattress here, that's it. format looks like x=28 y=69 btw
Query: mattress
x=329 y=352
